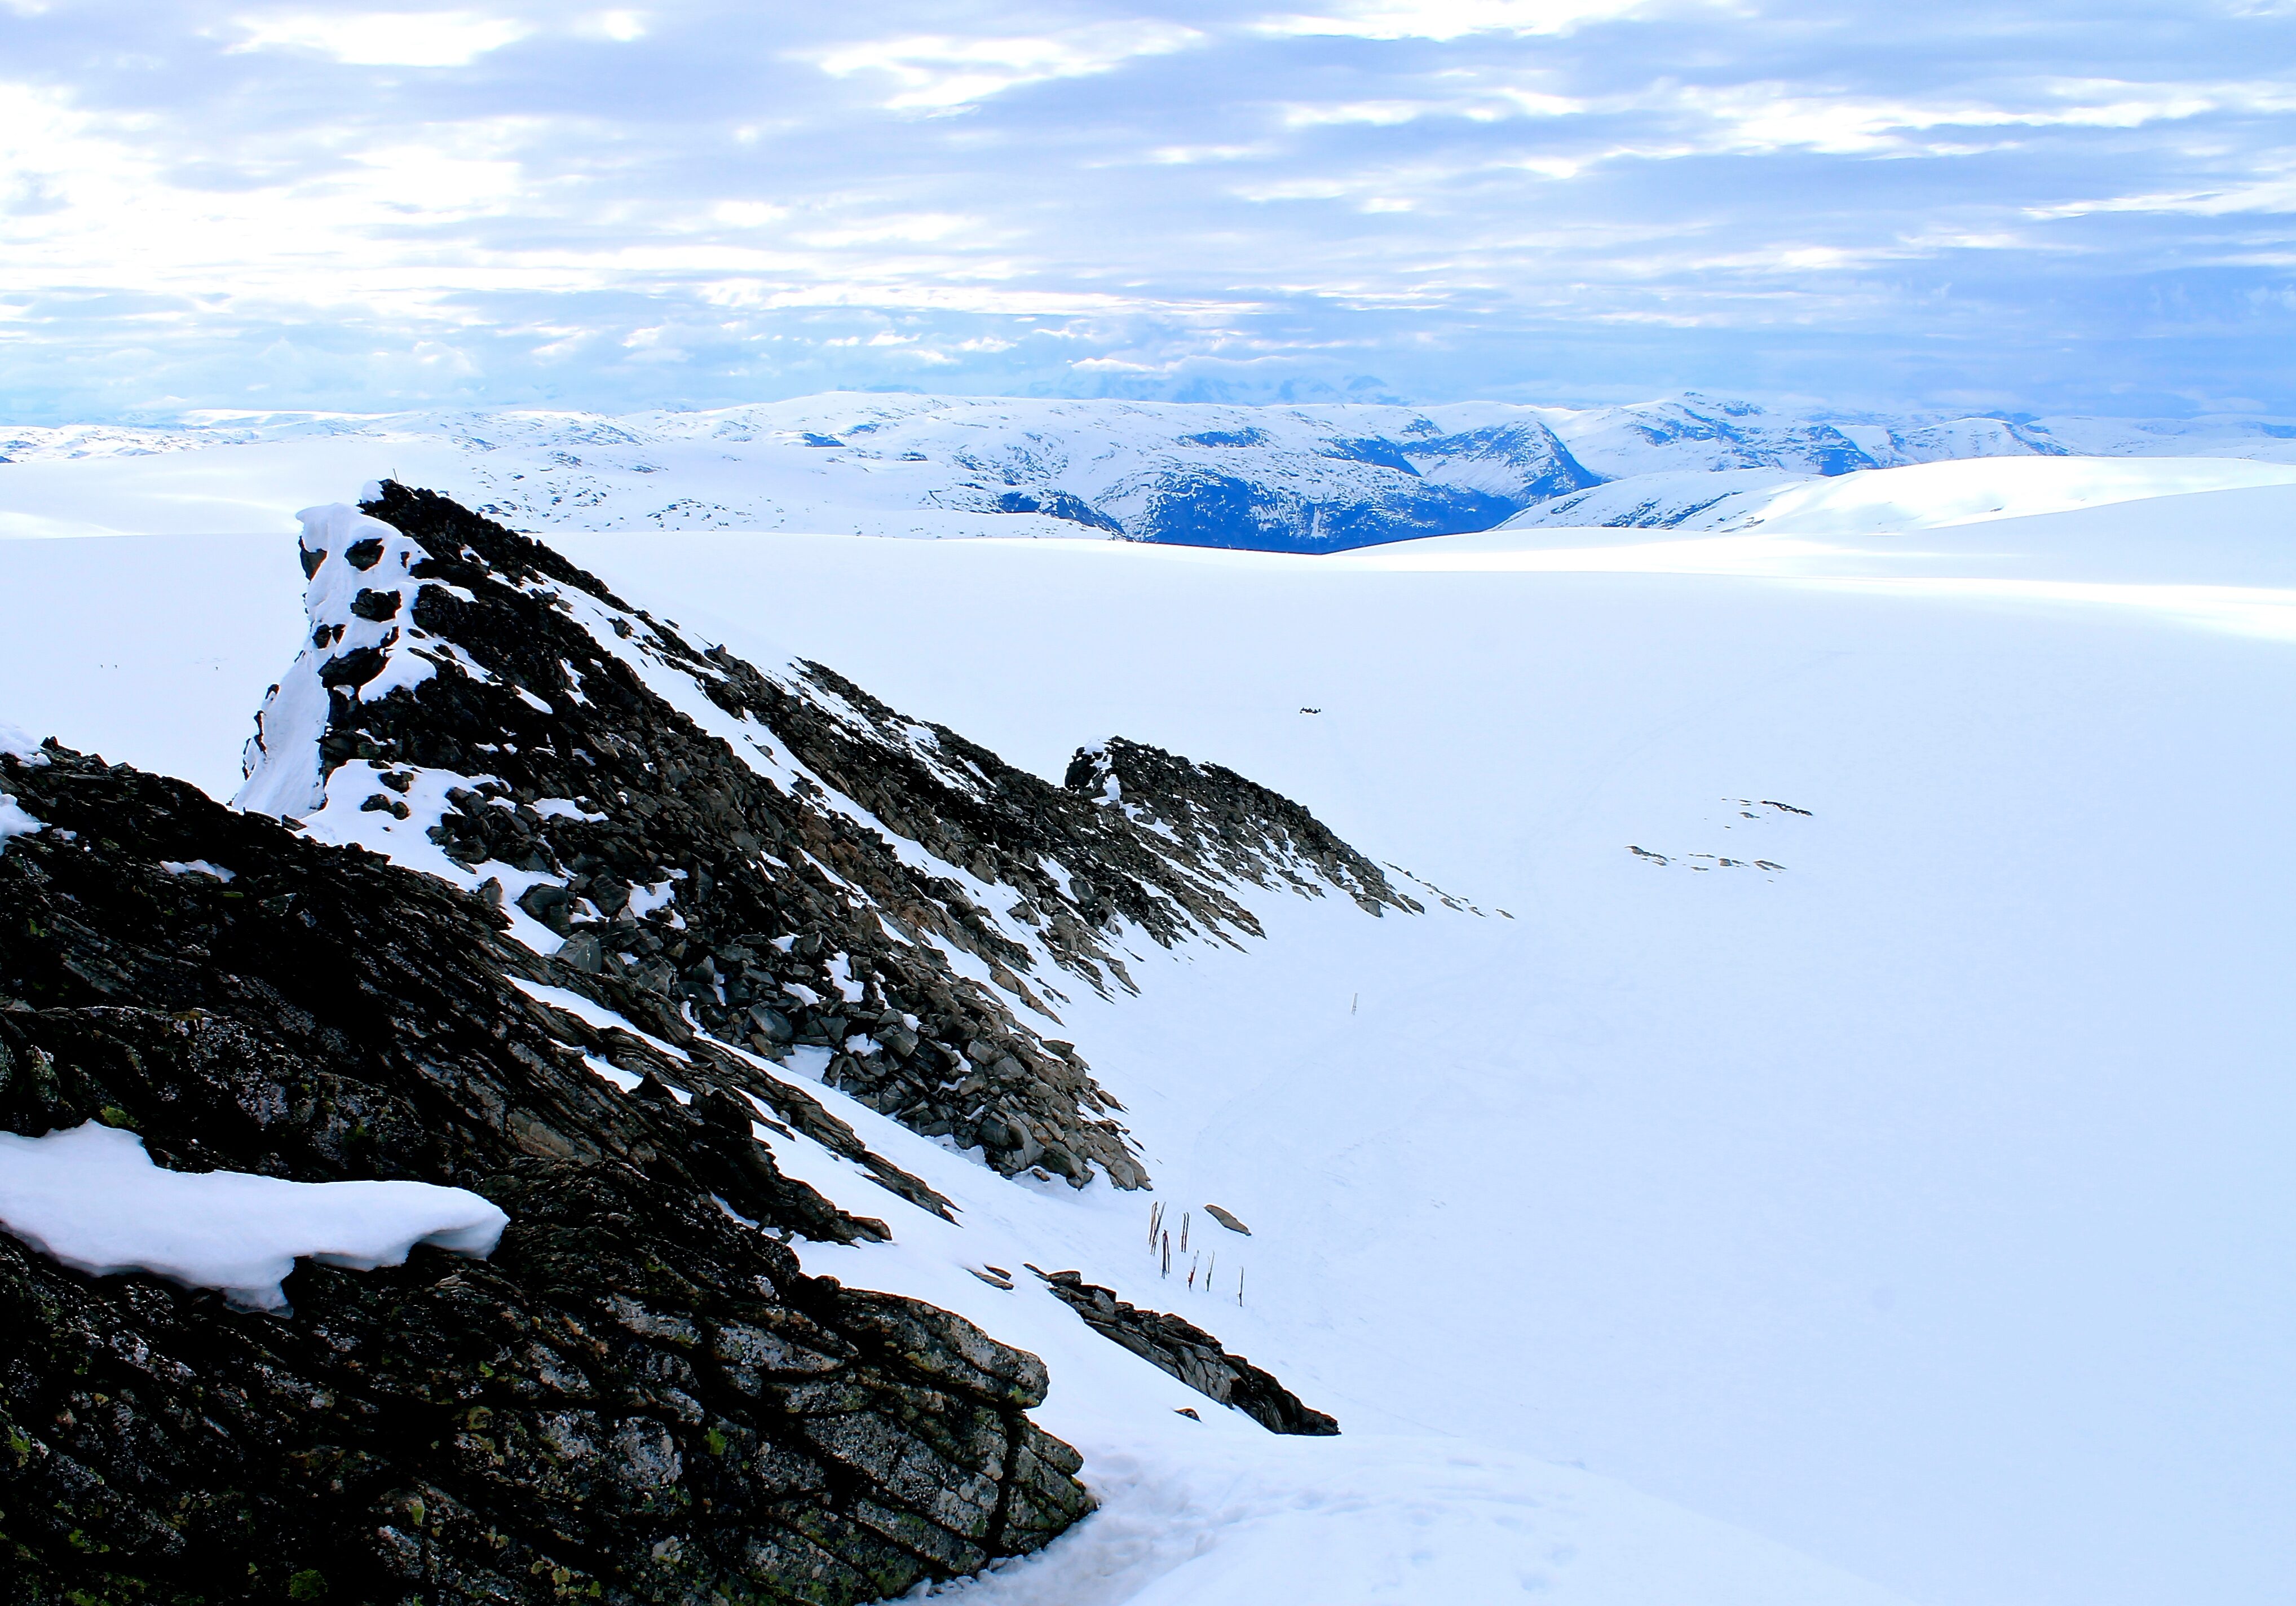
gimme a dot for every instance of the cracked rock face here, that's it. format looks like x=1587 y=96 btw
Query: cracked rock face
x=639 y=1398
x=775 y=861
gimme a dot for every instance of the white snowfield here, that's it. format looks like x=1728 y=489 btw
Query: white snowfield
x=91 y=1197
x=2224 y=557
x=1857 y=1116
x=1927 y=496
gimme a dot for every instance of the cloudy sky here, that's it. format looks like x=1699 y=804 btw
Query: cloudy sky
x=2024 y=205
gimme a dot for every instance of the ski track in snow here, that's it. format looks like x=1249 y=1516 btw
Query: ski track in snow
x=1915 y=1206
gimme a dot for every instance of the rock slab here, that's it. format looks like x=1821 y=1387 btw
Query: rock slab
x=1192 y=1355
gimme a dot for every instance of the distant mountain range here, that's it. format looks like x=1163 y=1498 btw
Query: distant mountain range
x=1282 y=478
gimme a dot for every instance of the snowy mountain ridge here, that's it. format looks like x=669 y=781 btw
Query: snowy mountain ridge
x=1302 y=479
x=776 y=860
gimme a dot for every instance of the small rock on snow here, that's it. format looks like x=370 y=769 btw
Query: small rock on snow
x=1227 y=1220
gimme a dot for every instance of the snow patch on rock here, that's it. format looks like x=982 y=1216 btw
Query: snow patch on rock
x=90 y=1197
x=355 y=648
x=14 y=821
x=198 y=867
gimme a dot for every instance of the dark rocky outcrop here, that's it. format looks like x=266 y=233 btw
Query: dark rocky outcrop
x=639 y=1398
x=1057 y=505
x=1221 y=822
x=1190 y=1354
x=789 y=862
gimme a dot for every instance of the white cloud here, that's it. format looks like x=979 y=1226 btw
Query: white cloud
x=622 y=27
x=1462 y=179
x=1765 y=116
x=1443 y=20
x=949 y=73
x=1170 y=156
x=1477 y=105
x=384 y=38
x=1297 y=189
x=917 y=228
x=966 y=299
x=748 y=214
x=2273 y=193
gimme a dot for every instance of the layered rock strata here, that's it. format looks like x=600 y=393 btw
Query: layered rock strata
x=640 y=1397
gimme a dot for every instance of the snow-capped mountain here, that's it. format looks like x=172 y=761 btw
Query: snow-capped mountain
x=1291 y=479
x=1281 y=480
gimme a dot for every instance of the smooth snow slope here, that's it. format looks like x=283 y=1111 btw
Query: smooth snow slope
x=153 y=650
x=1920 y=1205
x=1926 y=496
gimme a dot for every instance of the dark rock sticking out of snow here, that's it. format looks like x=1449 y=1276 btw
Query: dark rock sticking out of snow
x=784 y=914
x=639 y=1398
x=1190 y=1354
x=1227 y=1219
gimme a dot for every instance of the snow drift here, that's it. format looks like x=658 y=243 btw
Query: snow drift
x=92 y=1198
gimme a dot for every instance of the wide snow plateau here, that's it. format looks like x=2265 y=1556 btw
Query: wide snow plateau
x=1853 y=1111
